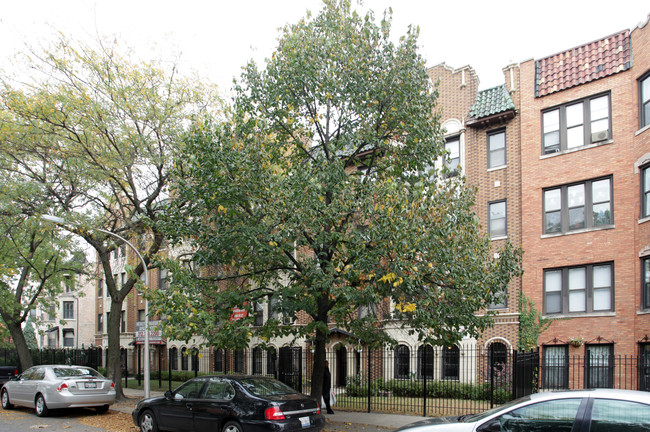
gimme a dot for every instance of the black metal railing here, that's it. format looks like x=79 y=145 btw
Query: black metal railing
x=428 y=381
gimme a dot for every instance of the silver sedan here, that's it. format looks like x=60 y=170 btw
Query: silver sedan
x=599 y=410
x=48 y=387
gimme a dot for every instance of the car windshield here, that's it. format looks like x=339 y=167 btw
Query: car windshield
x=484 y=414
x=266 y=387
x=72 y=372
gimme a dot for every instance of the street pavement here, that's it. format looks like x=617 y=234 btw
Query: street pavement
x=349 y=421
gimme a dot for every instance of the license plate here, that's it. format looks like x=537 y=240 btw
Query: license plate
x=304 y=421
x=91 y=385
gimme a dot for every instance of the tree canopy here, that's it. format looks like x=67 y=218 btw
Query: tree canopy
x=96 y=131
x=324 y=194
x=34 y=261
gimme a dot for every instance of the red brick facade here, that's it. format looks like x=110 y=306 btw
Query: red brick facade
x=620 y=243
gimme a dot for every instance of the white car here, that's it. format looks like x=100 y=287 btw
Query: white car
x=600 y=410
x=48 y=387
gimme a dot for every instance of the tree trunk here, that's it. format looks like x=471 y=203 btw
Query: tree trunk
x=319 y=365
x=114 y=366
x=24 y=356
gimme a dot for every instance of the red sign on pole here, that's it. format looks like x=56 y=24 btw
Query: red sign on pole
x=238 y=314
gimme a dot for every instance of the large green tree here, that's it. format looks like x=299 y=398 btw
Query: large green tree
x=103 y=129
x=323 y=194
x=34 y=260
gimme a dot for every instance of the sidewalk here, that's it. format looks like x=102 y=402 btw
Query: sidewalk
x=339 y=419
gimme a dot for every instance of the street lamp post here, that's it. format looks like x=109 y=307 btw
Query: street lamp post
x=147 y=382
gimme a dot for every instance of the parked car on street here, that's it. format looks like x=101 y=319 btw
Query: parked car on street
x=230 y=403
x=599 y=410
x=6 y=373
x=47 y=387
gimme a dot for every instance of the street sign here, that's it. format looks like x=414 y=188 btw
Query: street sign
x=155 y=333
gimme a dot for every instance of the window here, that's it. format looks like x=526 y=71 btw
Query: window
x=259 y=315
x=576 y=124
x=555 y=369
x=68 y=310
x=599 y=366
x=239 y=361
x=173 y=358
x=582 y=289
x=100 y=288
x=271 y=360
x=68 y=338
x=402 y=357
x=450 y=363
x=122 y=279
x=645 y=191
x=69 y=284
x=189 y=390
x=195 y=360
x=425 y=361
x=496 y=149
x=644 y=100
x=645 y=282
x=163 y=283
x=257 y=361
x=497 y=219
x=122 y=321
x=218 y=360
x=141 y=315
x=618 y=415
x=100 y=323
x=586 y=205
x=644 y=366
x=184 y=355
x=554 y=415
x=452 y=159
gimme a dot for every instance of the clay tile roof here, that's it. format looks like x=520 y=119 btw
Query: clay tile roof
x=491 y=101
x=583 y=64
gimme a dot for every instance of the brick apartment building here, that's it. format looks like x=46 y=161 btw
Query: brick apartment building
x=585 y=153
x=482 y=136
x=560 y=156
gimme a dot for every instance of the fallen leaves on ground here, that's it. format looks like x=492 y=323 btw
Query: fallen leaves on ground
x=115 y=420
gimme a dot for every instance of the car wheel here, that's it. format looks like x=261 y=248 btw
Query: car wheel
x=148 y=422
x=102 y=409
x=232 y=426
x=41 y=407
x=5 y=400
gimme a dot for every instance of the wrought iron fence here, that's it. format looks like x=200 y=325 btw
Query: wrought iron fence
x=429 y=381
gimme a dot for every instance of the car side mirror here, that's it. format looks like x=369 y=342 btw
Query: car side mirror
x=493 y=425
x=169 y=395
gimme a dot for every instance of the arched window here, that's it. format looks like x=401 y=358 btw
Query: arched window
x=425 y=361
x=257 y=361
x=450 y=363
x=184 y=359
x=195 y=359
x=271 y=361
x=173 y=358
x=402 y=358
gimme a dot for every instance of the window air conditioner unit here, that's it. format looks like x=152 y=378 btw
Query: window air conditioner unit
x=599 y=136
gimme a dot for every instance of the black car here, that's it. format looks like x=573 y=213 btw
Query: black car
x=230 y=403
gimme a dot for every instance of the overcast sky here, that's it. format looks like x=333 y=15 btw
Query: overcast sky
x=217 y=37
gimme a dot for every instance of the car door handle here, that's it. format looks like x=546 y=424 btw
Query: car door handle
x=189 y=406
